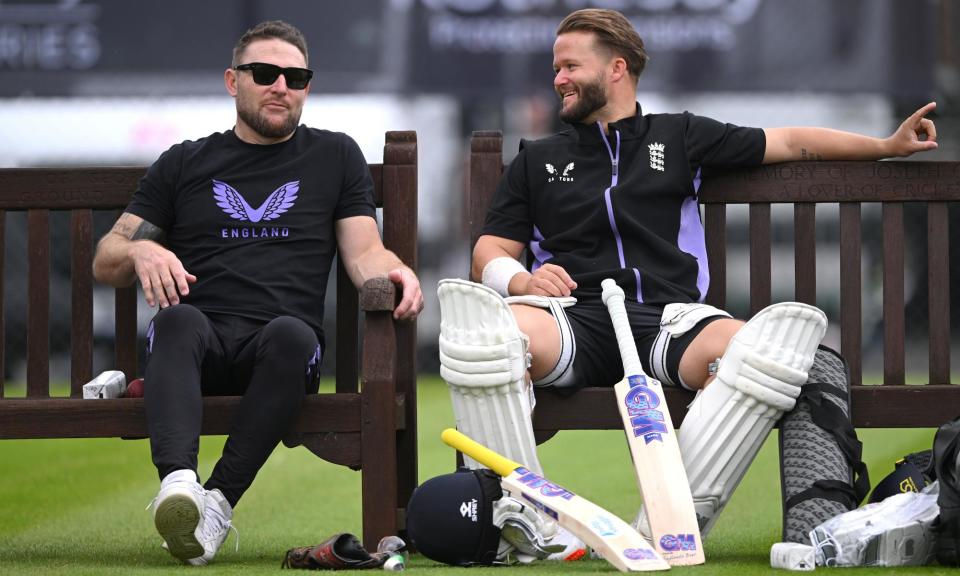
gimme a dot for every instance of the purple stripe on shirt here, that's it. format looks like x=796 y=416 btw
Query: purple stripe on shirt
x=613 y=225
x=615 y=178
x=540 y=256
x=614 y=157
x=692 y=240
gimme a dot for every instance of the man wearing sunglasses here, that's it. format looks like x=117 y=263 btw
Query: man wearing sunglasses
x=233 y=236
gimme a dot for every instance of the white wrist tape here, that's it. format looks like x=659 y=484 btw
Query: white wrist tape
x=498 y=272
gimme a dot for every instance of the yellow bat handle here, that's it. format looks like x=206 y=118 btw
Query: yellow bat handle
x=499 y=464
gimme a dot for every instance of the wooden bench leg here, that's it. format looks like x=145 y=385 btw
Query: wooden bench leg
x=378 y=422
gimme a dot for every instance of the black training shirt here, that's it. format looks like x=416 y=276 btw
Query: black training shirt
x=255 y=223
x=621 y=204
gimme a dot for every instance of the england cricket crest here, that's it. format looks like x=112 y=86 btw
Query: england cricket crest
x=656 y=156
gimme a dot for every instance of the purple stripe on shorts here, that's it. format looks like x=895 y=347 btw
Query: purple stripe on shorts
x=150 y=338
x=636 y=273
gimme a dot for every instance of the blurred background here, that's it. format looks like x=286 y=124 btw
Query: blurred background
x=113 y=82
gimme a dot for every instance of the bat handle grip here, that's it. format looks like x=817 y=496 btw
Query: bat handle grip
x=492 y=460
x=613 y=298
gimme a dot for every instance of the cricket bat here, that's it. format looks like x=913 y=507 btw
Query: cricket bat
x=653 y=447
x=606 y=533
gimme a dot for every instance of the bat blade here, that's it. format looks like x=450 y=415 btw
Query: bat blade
x=606 y=533
x=652 y=439
x=661 y=477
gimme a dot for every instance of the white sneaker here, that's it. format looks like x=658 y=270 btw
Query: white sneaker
x=216 y=525
x=177 y=511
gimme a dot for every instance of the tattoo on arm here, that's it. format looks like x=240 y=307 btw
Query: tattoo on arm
x=127 y=227
x=805 y=155
x=147 y=231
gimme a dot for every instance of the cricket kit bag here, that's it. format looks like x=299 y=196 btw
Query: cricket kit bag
x=946 y=467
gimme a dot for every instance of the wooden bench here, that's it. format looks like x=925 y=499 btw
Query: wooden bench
x=372 y=427
x=890 y=404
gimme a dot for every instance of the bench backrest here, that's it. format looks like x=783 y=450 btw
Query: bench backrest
x=83 y=191
x=850 y=185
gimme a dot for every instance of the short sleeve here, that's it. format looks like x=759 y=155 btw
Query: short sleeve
x=713 y=143
x=356 y=193
x=155 y=196
x=509 y=212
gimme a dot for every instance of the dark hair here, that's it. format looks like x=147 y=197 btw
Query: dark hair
x=613 y=32
x=267 y=30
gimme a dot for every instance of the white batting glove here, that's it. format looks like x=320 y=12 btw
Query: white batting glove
x=525 y=535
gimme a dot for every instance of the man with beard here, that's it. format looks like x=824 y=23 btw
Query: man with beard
x=233 y=236
x=615 y=196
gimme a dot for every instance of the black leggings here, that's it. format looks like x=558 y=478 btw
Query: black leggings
x=191 y=355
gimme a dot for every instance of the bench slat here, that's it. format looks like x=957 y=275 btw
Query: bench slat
x=760 y=291
x=68 y=188
x=938 y=286
x=874 y=407
x=715 y=233
x=851 y=308
x=3 y=327
x=38 y=303
x=348 y=336
x=76 y=418
x=81 y=300
x=805 y=253
x=823 y=182
x=485 y=168
x=893 y=312
x=125 y=324
x=400 y=214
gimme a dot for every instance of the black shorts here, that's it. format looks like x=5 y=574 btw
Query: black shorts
x=597 y=360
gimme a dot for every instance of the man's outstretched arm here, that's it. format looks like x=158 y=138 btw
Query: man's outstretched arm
x=364 y=257
x=916 y=134
x=131 y=250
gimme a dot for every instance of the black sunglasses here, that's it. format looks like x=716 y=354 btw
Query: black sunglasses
x=267 y=74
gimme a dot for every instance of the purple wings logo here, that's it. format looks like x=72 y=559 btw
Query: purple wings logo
x=235 y=206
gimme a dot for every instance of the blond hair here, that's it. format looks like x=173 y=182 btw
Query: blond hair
x=613 y=32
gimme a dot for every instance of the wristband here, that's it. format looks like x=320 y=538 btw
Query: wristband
x=498 y=272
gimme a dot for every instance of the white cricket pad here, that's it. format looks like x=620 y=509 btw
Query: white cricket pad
x=759 y=378
x=483 y=359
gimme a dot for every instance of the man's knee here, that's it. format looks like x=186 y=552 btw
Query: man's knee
x=286 y=334
x=180 y=321
x=706 y=347
x=179 y=316
x=544 y=337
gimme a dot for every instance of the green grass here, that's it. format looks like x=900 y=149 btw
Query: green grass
x=77 y=506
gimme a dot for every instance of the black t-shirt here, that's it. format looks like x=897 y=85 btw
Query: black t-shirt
x=620 y=204
x=255 y=223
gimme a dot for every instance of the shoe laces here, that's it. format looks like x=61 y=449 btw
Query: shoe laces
x=216 y=527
